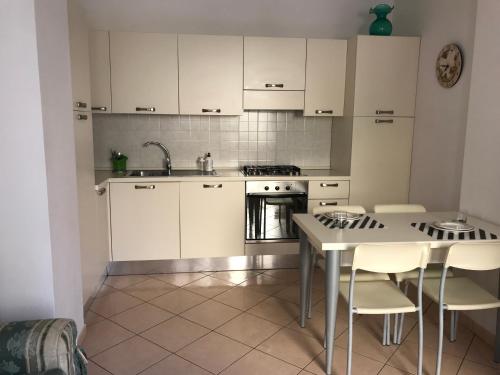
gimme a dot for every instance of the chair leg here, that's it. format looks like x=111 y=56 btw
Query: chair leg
x=384 y=337
x=310 y=283
x=402 y=318
x=440 y=340
x=420 y=340
x=349 y=343
x=453 y=325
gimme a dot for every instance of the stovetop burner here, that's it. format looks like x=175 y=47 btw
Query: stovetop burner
x=271 y=170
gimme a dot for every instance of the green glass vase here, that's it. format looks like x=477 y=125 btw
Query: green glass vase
x=381 y=26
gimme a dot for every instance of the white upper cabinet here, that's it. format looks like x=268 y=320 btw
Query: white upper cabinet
x=325 y=77
x=385 y=77
x=210 y=75
x=144 y=74
x=100 y=71
x=274 y=63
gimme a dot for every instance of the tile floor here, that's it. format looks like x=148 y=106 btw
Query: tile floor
x=245 y=323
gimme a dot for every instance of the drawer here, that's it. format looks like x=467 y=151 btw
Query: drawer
x=311 y=203
x=328 y=189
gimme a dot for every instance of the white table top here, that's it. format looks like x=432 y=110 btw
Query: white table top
x=397 y=229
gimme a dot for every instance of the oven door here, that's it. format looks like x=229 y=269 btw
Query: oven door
x=269 y=216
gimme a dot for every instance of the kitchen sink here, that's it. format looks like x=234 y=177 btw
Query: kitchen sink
x=174 y=172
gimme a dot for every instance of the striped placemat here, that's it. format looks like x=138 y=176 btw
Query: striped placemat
x=364 y=222
x=438 y=234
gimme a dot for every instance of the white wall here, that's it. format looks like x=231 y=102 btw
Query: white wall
x=441 y=114
x=481 y=171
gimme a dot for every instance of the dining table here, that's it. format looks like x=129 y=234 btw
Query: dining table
x=323 y=234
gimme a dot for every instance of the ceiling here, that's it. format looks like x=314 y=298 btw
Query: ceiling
x=309 y=18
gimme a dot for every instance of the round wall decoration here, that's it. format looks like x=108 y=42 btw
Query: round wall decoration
x=449 y=65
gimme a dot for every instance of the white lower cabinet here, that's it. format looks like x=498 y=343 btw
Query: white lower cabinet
x=212 y=219
x=145 y=221
x=332 y=203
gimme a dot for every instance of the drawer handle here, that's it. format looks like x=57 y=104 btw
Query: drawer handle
x=145 y=109
x=150 y=187
x=81 y=105
x=102 y=109
x=209 y=110
x=82 y=117
x=216 y=186
x=384 y=112
x=277 y=85
x=328 y=203
x=378 y=121
x=329 y=185
x=320 y=111
x=100 y=190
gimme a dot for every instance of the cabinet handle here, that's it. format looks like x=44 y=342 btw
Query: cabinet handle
x=100 y=190
x=328 y=203
x=378 y=121
x=81 y=105
x=329 y=185
x=82 y=117
x=216 y=186
x=102 y=109
x=150 y=187
x=384 y=112
x=279 y=85
x=320 y=111
x=145 y=109
x=205 y=110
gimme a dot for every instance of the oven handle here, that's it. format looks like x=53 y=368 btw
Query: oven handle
x=279 y=195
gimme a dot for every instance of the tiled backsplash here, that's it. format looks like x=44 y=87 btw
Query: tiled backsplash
x=256 y=137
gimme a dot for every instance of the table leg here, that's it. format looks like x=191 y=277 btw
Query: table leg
x=332 y=267
x=305 y=260
x=497 y=339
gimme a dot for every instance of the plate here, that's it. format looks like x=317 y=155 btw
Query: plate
x=453 y=226
x=336 y=215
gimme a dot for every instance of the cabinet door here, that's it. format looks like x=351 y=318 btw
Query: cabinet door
x=386 y=76
x=144 y=74
x=100 y=73
x=210 y=75
x=325 y=77
x=313 y=203
x=145 y=221
x=274 y=63
x=380 y=161
x=212 y=219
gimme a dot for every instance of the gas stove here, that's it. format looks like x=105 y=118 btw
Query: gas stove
x=270 y=170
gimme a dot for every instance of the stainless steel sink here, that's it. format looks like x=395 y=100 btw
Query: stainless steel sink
x=174 y=172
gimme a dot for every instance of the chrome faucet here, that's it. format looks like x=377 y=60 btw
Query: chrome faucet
x=168 y=162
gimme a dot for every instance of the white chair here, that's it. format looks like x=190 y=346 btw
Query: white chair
x=384 y=297
x=461 y=293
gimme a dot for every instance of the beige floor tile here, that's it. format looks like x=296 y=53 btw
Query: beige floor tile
x=276 y=310
x=258 y=363
x=389 y=370
x=175 y=333
x=178 y=301
x=472 y=368
x=93 y=369
x=342 y=308
x=175 y=365
x=292 y=347
x=361 y=365
x=105 y=290
x=131 y=356
x=214 y=352
x=249 y=329
x=211 y=314
x=304 y=372
x=265 y=284
x=209 y=287
x=315 y=326
x=480 y=352
x=120 y=282
x=290 y=275
x=241 y=298
x=179 y=279
x=141 y=318
x=292 y=294
x=149 y=289
x=235 y=277
x=92 y=318
x=103 y=335
x=405 y=359
x=114 y=303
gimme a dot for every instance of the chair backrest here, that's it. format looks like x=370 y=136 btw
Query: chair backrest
x=390 y=258
x=398 y=208
x=353 y=209
x=474 y=256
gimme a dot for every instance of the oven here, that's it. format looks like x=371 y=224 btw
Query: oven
x=269 y=209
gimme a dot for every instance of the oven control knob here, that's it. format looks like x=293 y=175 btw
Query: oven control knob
x=266 y=188
x=277 y=188
x=288 y=187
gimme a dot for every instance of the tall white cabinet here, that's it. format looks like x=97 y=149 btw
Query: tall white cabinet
x=100 y=71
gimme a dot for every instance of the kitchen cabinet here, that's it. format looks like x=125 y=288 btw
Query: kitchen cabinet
x=145 y=221
x=328 y=189
x=144 y=73
x=210 y=75
x=382 y=76
x=274 y=63
x=100 y=71
x=273 y=100
x=312 y=203
x=212 y=216
x=325 y=77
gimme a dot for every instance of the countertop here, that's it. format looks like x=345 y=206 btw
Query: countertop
x=103 y=176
